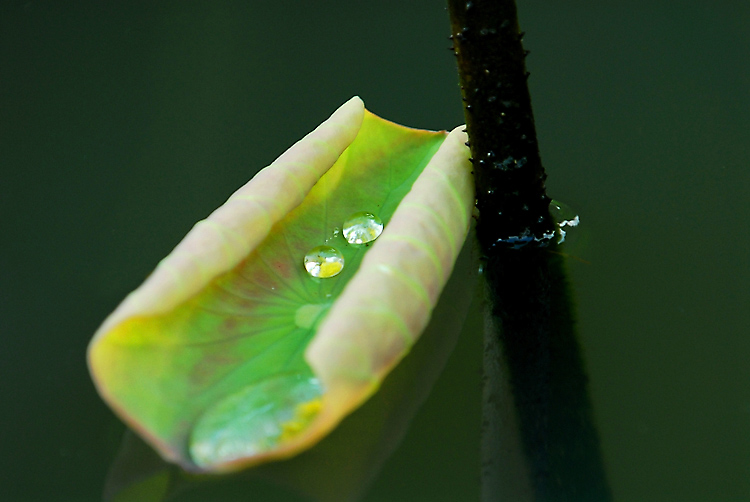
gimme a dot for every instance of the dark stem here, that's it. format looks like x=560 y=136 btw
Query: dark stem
x=511 y=196
x=538 y=362
x=532 y=352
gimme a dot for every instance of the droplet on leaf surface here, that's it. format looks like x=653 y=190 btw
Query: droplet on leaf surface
x=362 y=227
x=324 y=262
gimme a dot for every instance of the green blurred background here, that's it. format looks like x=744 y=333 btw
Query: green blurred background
x=123 y=123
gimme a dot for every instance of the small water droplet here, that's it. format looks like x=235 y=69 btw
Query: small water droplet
x=563 y=214
x=333 y=235
x=362 y=227
x=324 y=262
x=565 y=218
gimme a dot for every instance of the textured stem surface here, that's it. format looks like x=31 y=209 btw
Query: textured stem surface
x=531 y=348
x=508 y=170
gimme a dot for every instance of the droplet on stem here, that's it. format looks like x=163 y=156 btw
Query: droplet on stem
x=564 y=216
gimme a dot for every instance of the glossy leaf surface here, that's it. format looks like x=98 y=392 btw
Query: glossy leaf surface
x=231 y=353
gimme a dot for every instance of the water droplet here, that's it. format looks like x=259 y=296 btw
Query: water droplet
x=565 y=218
x=333 y=235
x=324 y=262
x=362 y=227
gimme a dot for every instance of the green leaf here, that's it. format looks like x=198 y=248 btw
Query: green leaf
x=344 y=463
x=231 y=353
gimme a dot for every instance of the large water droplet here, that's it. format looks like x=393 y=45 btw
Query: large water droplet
x=324 y=262
x=362 y=227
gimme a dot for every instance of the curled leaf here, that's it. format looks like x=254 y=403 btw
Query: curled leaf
x=250 y=342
